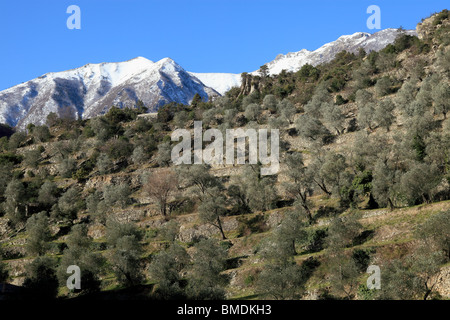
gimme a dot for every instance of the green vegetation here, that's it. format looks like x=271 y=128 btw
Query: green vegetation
x=364 y=179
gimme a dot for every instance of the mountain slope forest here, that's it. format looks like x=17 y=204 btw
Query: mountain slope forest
x=364 y=180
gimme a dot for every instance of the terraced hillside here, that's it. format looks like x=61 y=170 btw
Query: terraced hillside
x=363 y=181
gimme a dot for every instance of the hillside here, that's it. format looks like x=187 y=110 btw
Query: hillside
x=364 y=181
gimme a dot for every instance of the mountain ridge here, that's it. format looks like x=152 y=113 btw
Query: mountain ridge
x=293 y=61
x=91 y=89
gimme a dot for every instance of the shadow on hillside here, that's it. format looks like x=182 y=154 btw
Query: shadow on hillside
x=365 y=236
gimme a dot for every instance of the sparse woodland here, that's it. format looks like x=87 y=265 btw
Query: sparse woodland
x=364 y=180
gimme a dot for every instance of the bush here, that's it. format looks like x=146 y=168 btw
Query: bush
x=116 y=115
x=255 y=224
x=41 y=133
x=70 y=203
x=11 y=158
x=16 y=140
x=104 y=164
x=118 y=148
x=41 y=282
x=31 y=158
x=38 y=234
x=67 y=167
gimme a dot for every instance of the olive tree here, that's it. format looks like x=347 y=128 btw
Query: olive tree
x=365 y=115
x=259 y=192
x=441 y=98
x=418 y=182
x=311 y=128
x=79 y=253
x=383 y=184
x=70 y=203
x=412 y=277
x=41 y=282
x=163 y=157
x=253 y=112
x=15 y=202
x=435 y=233
x=38 y=234
x=205 y=278
x=286 y=109
x=126 y=249
x=212 y=208
x=117 y=195
x=333 y=117
x=31 y=158
x=16 y=140
x=198 y=178
x=66 y=167
x=383 y=115
x=166 y=269
x=281 y=277
x=48 y=193
x=41 y=133
x=300 y=181
x=383 y=86
x=270 y=103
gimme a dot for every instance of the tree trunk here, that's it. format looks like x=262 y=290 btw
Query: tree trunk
x=323 y=187
x=308 y=213
x=391 y=205
x=164 y=209
x=219 y=225
x=427 y=293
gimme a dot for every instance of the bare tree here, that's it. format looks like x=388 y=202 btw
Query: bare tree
x=160 y=187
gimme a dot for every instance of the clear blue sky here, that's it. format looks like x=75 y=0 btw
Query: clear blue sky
x=201 y=35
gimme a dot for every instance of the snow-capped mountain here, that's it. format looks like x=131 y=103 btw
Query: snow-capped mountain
x=293 y=61
x=92 y=89
x=221 y=82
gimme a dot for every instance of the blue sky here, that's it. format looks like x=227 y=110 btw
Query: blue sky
x=201 y=35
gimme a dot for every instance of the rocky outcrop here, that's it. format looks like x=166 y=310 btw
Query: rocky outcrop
x=443 y=285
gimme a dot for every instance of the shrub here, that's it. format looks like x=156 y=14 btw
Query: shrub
x=41 y=282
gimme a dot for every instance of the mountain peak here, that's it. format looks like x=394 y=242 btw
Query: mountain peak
x=293 y=61
x=139 y=58
x=92 y=89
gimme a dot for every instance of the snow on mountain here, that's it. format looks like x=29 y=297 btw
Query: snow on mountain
x=221 y=82
x=293 y=61
x=92 y=89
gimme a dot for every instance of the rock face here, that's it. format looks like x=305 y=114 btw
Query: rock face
x=91 y=90
x=293 y=61
x=429 y=26
x=443 y=284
